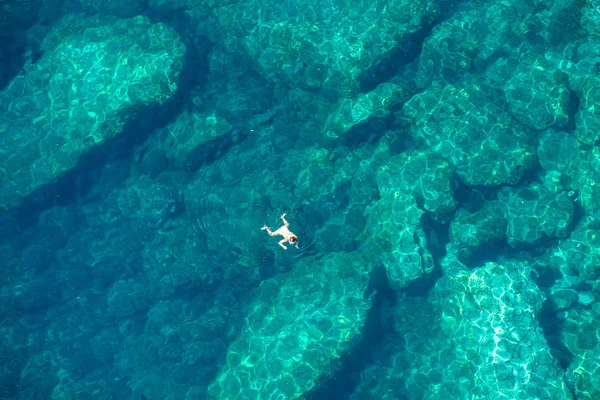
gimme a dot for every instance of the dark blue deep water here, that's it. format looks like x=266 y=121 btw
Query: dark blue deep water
x=278 y=200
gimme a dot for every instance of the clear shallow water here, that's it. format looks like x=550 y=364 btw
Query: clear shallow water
x=437 y=160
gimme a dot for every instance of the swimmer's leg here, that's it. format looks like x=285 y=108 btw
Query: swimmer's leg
x=269 y=231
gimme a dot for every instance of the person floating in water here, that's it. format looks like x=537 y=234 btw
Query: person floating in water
x=288 y=236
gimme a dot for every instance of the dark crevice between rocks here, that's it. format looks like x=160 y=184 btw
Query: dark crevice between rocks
x=13 y=55
x=530 y=251
x=552 y=328
x=578 y=214
x=15 y=49
x=407 y=50
x=422 y=287
x=545 y=277
x=500 y=250
x=436 y=228
x=447 y=8
x=471 y=198
x=232 y=297
x=398 y=136
x=365 y=133
x=572 y=109
x=403 y=54
x=198 y=48
x=207 y=153
x=437 y=234
x=491 y=251
x=343 y=383
x=399 y=143
x=531 y=175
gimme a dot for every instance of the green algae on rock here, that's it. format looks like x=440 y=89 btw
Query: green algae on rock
x=79 y=95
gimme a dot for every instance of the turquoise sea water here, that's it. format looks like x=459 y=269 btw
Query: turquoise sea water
x=438 y=161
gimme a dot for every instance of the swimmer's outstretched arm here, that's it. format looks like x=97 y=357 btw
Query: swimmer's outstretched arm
x=284 y=221
x=281 y=243
x=268 y=230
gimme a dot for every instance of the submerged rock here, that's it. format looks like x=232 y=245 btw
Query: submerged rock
x=461 y=123
x=79 y=96
x=477 y=336
x=297 y=330
x=328 y=44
